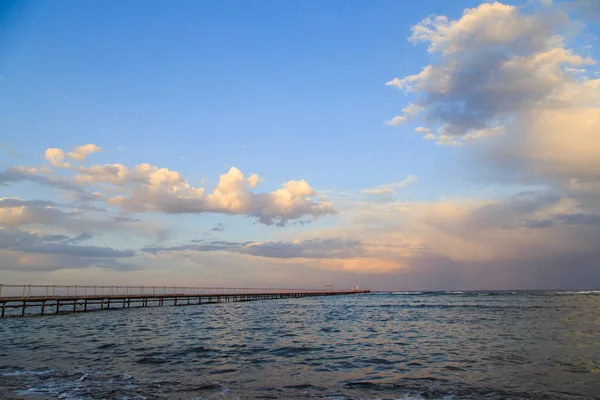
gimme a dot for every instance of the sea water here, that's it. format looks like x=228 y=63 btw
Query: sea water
x=406 y=345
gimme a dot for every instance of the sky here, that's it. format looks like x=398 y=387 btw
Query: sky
x=429 y=145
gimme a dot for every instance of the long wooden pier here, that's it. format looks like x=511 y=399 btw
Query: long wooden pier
x=26 y=300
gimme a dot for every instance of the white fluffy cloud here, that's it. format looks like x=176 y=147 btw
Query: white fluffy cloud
x=512 y=76
x=147 y=188
x=56 y=157
x=495 y=67
x=397 y=120
x=167 y=191
x=38 y=234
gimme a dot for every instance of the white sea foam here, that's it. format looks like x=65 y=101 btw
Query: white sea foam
x=73 y=386
x=572 y=292
x=25 y=372
x=405 y=293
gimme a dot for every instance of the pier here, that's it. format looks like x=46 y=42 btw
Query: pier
x=28 y=300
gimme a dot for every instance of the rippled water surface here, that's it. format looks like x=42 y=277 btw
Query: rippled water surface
x=542 y=345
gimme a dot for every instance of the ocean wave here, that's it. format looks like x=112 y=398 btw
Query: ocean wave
x=407 y=293
x=292 y=351
x=88 y=385
x=18 y=372
x=106 y=346
x=78 y=385
x=452 y=293
x=196 y=350
x=457 y=306
x=151 y=360
x=575 y=292
x=91 y=385
x=435 y=389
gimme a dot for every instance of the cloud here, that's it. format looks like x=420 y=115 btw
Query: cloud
x=148 y=188
x=469 y=237
x=390 y=188
x=313 y=248
x=306 y=249
x=494 y=67
x=165 y=191
x=557 y=147
x=220 y=227
x=54 y=238
x=199 y=245
x=42 y=214
x=37 y=175
x=80 y=197
x=79 y=251
x=361 y=265
x=81 y=152
x=10 y=202
x=485 y=231
x=16 y=240
x=331 y=253
x=116 y=265
x=56 y=157
x=504 y=75
x=26 y=251
x=79 y=238
x=15 y=212
x=17 y=262
x=125 y=218
x=397 y=121
x=591 y=220
x=21 y=250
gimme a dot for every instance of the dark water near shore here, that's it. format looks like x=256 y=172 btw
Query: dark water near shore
x=522 y=345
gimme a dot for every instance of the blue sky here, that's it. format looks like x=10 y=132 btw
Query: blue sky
x=287 y=90
x=301 y=86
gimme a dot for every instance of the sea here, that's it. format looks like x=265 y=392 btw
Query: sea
x=403 y=345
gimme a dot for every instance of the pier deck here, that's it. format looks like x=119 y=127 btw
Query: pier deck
x=26 y=300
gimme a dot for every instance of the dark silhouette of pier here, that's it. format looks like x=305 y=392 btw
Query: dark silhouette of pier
x=25 y=300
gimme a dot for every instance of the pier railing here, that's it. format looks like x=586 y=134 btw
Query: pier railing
x=83 y=291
